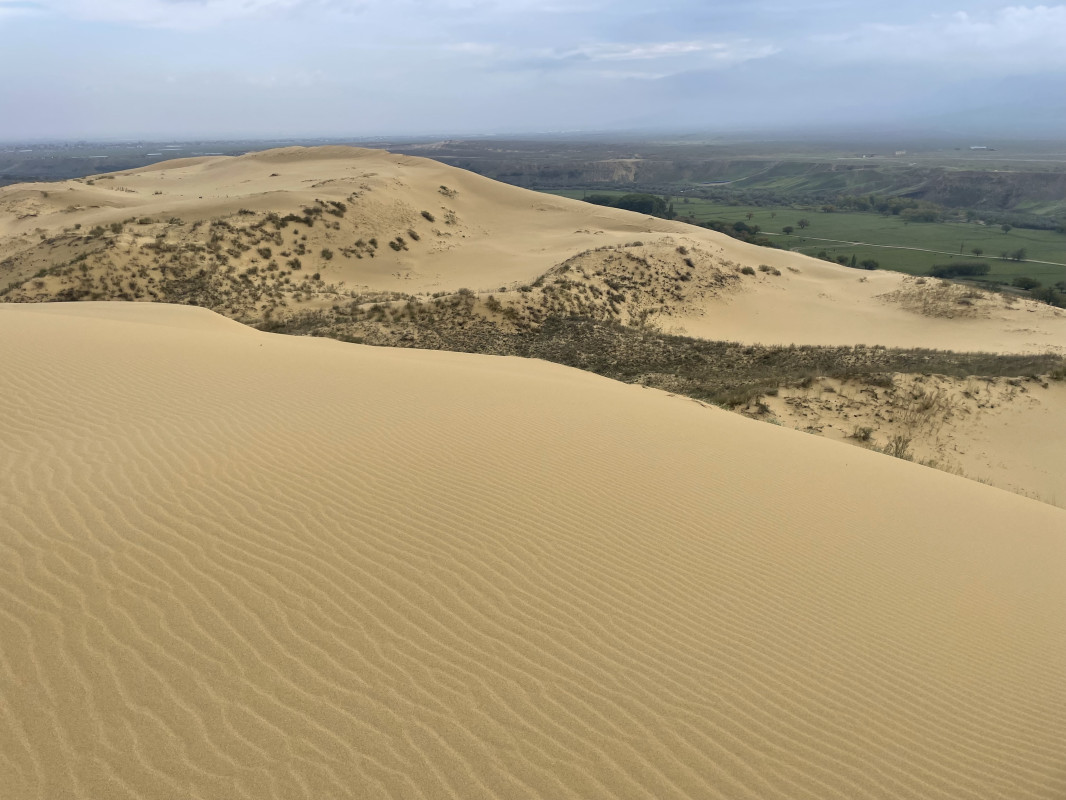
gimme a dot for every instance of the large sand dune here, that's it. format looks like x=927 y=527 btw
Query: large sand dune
x=480 y=235
x=238 y=565
x=406 y=251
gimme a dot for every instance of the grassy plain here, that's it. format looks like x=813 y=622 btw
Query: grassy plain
x=891 y=241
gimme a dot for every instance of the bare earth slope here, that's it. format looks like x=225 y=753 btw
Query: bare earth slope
x=239 y=565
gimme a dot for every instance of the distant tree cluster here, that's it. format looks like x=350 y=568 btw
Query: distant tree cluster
x=738 y=230
x=1052 y=295
x=906 y=207
x=959 y=269
x=642 y=203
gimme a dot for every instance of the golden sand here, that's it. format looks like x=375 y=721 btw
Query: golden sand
x=239 y=565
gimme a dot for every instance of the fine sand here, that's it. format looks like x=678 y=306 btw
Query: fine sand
x=1007 y=432
x=240 y=565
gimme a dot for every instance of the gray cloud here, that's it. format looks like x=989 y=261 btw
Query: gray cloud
x=129 y=67
x=1013 y=37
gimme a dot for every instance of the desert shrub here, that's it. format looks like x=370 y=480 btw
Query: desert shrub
x=429 y=216
x=327 y=253
x=748 y=271
x=116 y=227
x=413 y=234
x=862 y=433
x=294 y=264
x=265 y=252
x=899 y=447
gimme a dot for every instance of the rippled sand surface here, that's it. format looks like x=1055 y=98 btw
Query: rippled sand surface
x=238 y=565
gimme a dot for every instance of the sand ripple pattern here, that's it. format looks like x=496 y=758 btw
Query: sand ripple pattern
x=235 y=565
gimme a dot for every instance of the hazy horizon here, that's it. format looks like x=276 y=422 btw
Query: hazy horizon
x=224 y=69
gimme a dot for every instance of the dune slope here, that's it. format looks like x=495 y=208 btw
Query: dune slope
x=238 y=565
x=266 y=234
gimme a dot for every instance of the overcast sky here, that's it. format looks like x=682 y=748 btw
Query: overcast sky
x=226 y=68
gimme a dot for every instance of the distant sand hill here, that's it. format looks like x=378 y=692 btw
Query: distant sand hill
x=413 y=226
x=243 y=565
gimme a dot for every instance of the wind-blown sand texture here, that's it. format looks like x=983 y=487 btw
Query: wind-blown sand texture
x=239 y=565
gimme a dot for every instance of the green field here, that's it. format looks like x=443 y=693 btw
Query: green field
x=953 y=240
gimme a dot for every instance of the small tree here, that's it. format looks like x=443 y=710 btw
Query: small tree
x=1005 y=228
x=804 y=223
x=788 y=230
x=977 y=251
x=1023 y=282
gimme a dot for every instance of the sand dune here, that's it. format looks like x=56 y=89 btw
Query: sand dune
x=480 y=235
x=820 y=303
x=1007 y=432
x=238 y=565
